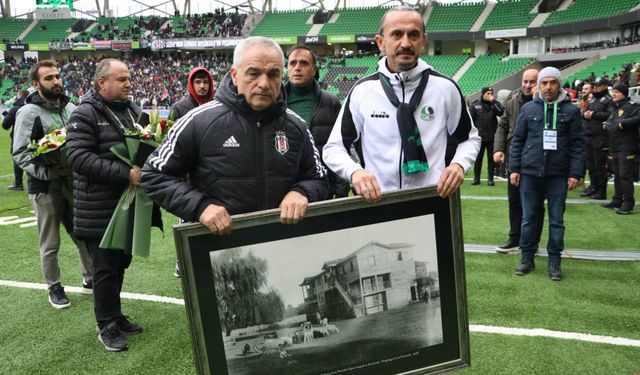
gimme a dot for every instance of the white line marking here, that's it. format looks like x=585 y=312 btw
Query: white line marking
x=531 y=332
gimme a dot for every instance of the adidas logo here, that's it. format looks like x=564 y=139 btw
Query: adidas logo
x=231 y=142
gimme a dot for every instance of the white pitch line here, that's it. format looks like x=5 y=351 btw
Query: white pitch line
x=531 y=332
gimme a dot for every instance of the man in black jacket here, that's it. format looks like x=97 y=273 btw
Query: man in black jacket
x=98 y=123
x=595 y=138
x=485 y=112
x=317 y=107
x=8 y=123
x=200 y=87
x=243 y=152
x=622 y=128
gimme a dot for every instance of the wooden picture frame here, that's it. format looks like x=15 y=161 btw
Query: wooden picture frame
x=380 y=289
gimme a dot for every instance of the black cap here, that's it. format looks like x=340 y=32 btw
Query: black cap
x=622 y=88
x=600 y=81
x=487 y=89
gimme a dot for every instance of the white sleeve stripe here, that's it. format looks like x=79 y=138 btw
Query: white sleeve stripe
x=316 y=156
x=167 y=148
x=289 y=111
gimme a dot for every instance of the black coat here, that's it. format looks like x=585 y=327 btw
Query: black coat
x=594 y=134
x=622 y=126
x=235 y=157
x=99 y=177
x=485 y=117
x=10 y=119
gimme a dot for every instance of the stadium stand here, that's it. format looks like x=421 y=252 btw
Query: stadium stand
x=284 y=23
x=446 y=64
x=11 y=28
x=510 y=14
x=488 y=69
x=453 y=17
x=583 y=10
x=355 y=21
x=119 y=28
x=48 y=30
x=218 y=24
x=609 y=66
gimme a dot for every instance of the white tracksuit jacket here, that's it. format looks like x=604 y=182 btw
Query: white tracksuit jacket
x=368 y=119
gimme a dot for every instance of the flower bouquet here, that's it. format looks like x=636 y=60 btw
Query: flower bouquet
x=49 y=150
x=131 y=228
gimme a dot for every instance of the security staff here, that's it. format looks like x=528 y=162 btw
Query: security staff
x=485 y=112
x=596 y=138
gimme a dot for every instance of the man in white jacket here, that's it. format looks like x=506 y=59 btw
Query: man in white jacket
x=400 y=118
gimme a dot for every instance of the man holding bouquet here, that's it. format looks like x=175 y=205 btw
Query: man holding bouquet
x=46 y=112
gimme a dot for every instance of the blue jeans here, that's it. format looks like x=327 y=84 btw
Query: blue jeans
x=533 y=191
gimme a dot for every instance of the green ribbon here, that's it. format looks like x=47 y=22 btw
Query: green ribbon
x=555 y=116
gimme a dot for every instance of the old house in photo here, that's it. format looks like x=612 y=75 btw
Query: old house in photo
x=374 y=278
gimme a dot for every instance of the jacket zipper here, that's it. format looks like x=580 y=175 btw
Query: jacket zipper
x=260 y=166
x=401 y=147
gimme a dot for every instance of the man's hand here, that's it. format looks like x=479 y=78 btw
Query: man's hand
x=293 y=207
x=572 y=183
x=514 y=178
x=134 y=176
x=498 y=157
x=217 y=219
x=366 y=185
x=450 y=180
x=587 y=114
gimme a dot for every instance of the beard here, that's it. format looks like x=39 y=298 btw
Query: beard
x=53 y=94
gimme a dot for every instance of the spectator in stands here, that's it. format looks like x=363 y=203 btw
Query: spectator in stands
x=400 y=118
x=546 y=159
x=8 y=123
x=227 y=166
x=100 y=177
x=317 y=107
x=622 y=128
x=45 y=111
x=200 y=87
x=485 y=112
x=501 y=145
x=595 y=137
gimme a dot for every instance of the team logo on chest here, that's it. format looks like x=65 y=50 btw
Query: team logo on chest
x=426 y=113
x=281 y=142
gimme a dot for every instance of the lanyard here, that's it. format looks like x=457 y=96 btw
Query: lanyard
x=118 y=120
x=555 y=116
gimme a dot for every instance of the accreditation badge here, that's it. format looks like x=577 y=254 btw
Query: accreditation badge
x=550 y=140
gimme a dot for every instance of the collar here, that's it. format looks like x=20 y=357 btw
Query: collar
x=410 y=76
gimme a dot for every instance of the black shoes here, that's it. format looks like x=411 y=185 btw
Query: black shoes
x=491 y=183
x=111 y=337
x=598 y=196
x=587 y=191
x=15 y=187
x=128 y=327
x=508 y=246
x=555 y=273
x=87 y=287
x=624 y=210
x=525 y=266
x=475 y=182
x=612 y=204
x=57 y=297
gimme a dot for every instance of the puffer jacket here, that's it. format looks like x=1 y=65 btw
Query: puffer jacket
x=99 y=176
x=527 y=155
x=235 y=157
x=485 y=117
x=622 y=126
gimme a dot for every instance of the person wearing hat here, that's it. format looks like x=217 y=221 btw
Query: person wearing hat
x=595 y=138
x=622 y=128
x=485 y=112
x=546 y=160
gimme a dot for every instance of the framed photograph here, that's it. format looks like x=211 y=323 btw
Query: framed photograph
x=354 y=288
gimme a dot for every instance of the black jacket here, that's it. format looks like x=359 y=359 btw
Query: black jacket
x=595 y=136
x=10 y=118
x=622 y=126
x=99 y=177
x=324 y=115
x=235 y=157
x=191 y=100
x=527 y=155
x=485 y=117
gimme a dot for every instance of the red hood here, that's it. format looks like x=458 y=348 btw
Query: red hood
x=192 y=91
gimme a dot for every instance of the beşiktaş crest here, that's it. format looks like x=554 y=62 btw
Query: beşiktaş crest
x=281 y=142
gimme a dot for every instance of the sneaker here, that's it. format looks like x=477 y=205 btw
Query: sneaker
x=555 y=273
x=507 y=246
x=475 y=182
x=128 y=327
x=177 y=272
x=598 y=196
x=87 y=287
x=525 y=267
x=57 y=297
x=612 y=204
x=15 y=187
x=624 y=210
x=587 y=191
x=111 y=337
x=491 y=183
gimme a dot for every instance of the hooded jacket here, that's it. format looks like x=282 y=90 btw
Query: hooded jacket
x=527 y=155
x=235 y=157
x=192 y=100
x=99 y=175
x=34 y=120
x=368 y=120
x=622 y=125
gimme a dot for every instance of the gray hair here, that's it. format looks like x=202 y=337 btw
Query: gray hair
x=102 y=71
x=255 y=41
x=401 y=8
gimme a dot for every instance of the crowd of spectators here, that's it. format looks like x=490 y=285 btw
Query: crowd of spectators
x=217 y=24
x=601 y=44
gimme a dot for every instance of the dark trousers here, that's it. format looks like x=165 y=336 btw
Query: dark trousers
x=515 y=214
x=623 y=164
x=533 y=191
x=477 y=166
x=596 y=162
x=17 y=171
x=108 y=275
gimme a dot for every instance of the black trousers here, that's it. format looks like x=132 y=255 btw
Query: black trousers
x=108 y=275
x=515 y=215
x=596 y=162
x=17 y=171
x=477 y=166
x=623 y=164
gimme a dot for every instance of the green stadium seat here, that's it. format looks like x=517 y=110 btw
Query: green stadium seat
x=582 y=10
x=284 y=23
x=48 y=30
x=453 y=17
x=510 y=14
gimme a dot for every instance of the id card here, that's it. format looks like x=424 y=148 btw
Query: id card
x=550 y=140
